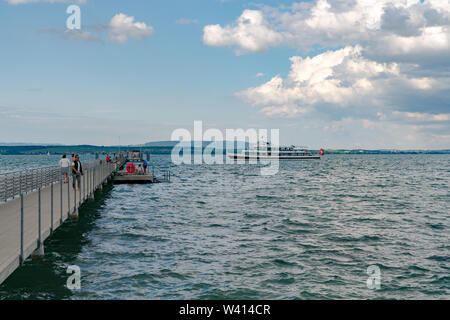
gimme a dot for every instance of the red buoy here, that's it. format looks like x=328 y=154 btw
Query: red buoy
x=131 y=168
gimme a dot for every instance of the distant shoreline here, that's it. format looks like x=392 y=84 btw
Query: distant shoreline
x=83 y=149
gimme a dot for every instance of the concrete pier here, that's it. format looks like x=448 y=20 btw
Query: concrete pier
x=29 y=217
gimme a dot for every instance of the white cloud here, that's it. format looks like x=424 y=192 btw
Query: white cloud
x=186 y=21
x=84 y=36
x=377 y=134
x=388 y=27
x=15 y=2
x=431 y=42
x=421 y=116
x=67 y=34
x=119 y=30
x=250 y=33
x=284 y=111
x=389 y=76
x=340 y=77
x=123 y=27
x=343 y=84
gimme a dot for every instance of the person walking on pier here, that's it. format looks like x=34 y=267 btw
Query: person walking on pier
x=77 y=171
x=64 y=164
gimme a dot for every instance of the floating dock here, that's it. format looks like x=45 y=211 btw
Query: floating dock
x=134 y=179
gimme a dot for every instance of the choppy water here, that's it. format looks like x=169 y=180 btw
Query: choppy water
x=10 y=163
x=309 y=232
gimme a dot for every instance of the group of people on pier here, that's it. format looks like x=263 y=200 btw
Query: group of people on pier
x=77 y=169
x=74 y=166
x=141 y=168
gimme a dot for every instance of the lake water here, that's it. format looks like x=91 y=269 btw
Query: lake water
x=10 y=163
x=226 y=232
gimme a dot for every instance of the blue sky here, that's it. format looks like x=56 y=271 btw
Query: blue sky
x=227 y=63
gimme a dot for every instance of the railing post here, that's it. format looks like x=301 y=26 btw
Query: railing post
x=39 y=252
x=39 y=217
x=21 y=259
x=4 y=188
x=51 y=208
x=68 y=197
x=75 y=178
x=90 y=183
x=74 y=214
x=79 y=186
x=84 y=186
x=61 y=199
x=13 y=186
x=100 y=178
x=87 y=183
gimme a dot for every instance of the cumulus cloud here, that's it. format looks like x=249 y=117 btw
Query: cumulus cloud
x=390 y=74
x=389 y=27
x=250 y=33
x=354 y=93
x=123 y=27
x=340 y=77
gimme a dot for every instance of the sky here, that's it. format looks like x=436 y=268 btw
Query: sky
x=333 y=74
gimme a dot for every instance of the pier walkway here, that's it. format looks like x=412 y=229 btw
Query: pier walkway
x=34 y=203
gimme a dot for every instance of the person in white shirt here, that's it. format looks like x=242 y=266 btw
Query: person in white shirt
x=64 y=164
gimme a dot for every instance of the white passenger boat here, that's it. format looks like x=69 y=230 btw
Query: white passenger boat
x=266 y=151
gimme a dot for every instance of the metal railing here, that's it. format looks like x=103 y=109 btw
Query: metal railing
x=160 y=174
x=166 y=176
x=13 y=184
x=37 y=201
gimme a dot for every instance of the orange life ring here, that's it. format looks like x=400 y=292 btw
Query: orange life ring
x=131 y=168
